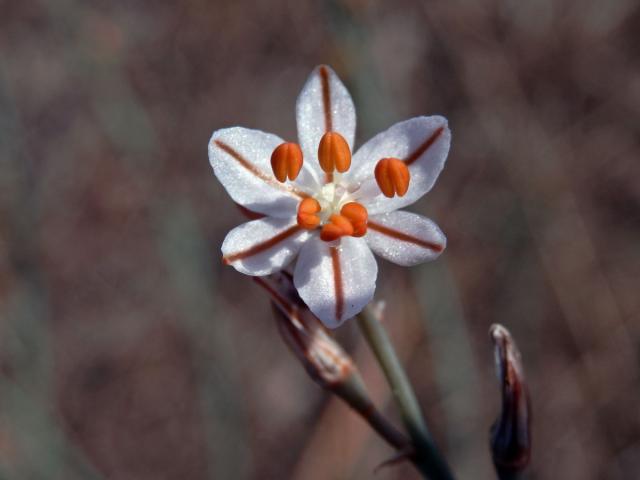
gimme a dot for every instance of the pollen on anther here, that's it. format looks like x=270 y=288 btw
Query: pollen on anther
x=338 y=226
x=286 y=161
x=392 y=176
x=358 y=216
x=334 y=153
x=308 y=213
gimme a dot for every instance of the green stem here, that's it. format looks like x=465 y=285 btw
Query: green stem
x=428 y=458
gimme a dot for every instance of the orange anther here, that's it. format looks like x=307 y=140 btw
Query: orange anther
x=307 y=213
x=392 y=176
x=338 y=226
x=286 y=161
x=334 y=153
x=358 y=217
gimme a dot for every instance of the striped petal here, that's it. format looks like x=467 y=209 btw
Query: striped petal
x=324 y=105
x=241 y=159
x=405 y=238
x=336 y=281
x=263 y=246
x=421 y=142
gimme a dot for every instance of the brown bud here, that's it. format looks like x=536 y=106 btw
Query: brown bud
x=511 y=432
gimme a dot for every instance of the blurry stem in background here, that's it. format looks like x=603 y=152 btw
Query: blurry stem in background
x=511 y=432
x=31 y=428
x=182 y=245
x=427 y=457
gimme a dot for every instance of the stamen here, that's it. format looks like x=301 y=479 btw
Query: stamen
x=334 y=153
x=307 y=213
x=358 y=216
x=338 y=226
x=392 y=176
x=286 y=161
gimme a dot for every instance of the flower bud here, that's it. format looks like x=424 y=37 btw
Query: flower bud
x=323 y=358
x=325 y=361
x=511 y=432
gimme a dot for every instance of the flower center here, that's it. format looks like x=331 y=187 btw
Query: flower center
x=332 y=208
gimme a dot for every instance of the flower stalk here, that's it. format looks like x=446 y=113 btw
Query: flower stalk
x=323 y=358
x=426 y=454
x=332 y=368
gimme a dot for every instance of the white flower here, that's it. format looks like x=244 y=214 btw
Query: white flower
x=323 y=206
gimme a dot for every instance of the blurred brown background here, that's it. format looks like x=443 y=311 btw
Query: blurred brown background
x=127 y=351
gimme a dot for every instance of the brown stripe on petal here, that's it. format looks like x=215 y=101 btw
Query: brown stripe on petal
x=417 y=153
x=337 y=281
x=262 y=246
x=326 y=98
x=404 y=237
x=326 y=107
x=269 y=179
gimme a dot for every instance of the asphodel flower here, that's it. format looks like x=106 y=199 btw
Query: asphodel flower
x=325 y=208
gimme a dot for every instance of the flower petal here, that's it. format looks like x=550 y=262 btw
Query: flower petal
x=324 y=104
x=241 y=159
x=336 y=281
x=263 y=246
x=405 y=238
x=421 y=142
